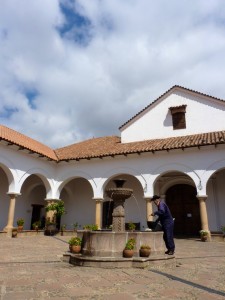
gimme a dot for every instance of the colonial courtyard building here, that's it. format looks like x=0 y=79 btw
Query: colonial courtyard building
x=174 y=147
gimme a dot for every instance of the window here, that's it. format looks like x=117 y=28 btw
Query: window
x=178 y=117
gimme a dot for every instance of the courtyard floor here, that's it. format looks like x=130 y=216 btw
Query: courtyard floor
x=31 y=268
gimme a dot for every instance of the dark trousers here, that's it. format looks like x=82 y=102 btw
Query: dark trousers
x=168 y=235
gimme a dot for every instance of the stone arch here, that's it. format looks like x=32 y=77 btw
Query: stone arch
x=215 y=190
x=211 y=170
x=175 y=167
x=134 y=206
x=117 y=172
x=9 y=174
x=43 y=175
x=175 y=181
x=70 y=175
x=77 y=194
x=31 y=204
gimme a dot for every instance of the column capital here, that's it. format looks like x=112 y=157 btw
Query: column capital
x=147 y=198
x=13 y=195
x=98 y=199
x=202 y=197
x=52 y=199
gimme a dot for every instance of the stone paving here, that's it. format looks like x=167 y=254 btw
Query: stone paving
x=31 y=268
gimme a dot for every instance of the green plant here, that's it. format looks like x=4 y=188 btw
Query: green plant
x=130 y=244
x=223 y=228
x=131 y=226
x=75 y=226
x=36 y=224
x=204 y=232
x=91 y=227
x=58 y=208
x=20 y=222
x=63 y=227
x=144 y=246
x=75 y=241
x=48 y=222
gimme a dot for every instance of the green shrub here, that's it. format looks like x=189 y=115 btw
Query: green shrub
x=130 y=244
x=75 y=241
x=20 y=222
x=144 y=246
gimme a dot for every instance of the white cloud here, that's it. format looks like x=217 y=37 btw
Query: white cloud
x=110 y=60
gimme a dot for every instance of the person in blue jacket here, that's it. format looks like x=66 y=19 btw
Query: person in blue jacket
x=167 y=222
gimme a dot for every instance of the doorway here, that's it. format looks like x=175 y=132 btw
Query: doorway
x=36 y=214
x=107 y=214
x=184 y=207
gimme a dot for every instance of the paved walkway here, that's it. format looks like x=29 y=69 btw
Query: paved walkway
x=30 y=268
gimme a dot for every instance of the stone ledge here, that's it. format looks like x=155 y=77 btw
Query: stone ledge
x=120 y=262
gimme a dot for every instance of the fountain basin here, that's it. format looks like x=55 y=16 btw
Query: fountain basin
x=105 y=250
x=111 y=244
x=119 y=193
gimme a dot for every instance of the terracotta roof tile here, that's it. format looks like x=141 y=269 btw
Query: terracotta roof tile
x=110 y=146
x=25 y=142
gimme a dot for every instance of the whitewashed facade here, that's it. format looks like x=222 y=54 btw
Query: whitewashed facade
x=28 y=181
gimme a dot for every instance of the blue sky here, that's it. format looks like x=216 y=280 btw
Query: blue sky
x=73 y=70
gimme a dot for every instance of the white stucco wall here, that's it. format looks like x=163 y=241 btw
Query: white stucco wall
x=202 y=115
x=198 y=164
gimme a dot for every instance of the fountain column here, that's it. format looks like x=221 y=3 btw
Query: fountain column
x=118 y=224
x=119 y=195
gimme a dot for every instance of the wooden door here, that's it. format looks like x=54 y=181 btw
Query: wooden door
x=184 y=206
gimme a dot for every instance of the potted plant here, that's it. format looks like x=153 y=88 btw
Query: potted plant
x=128 y=251
x=204 y=235
x=145 y=250
x=90 y=227
x=58 y=210
x=223 y=230
x=131 y=226
x=14 y=232
x=63 y=228
x=75 y=244
x=20 y=223
x=36 y=225
x=75 y=226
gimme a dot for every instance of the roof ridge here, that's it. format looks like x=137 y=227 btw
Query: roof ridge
x=174 y=87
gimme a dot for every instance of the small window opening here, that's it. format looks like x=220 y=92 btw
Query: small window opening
x=178 y=117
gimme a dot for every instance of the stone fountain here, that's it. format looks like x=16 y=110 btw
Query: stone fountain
x=104 y=248
x=119 y=195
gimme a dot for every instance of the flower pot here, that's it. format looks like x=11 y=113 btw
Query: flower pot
x=20 y=228
x=204 y=238
x=128 y=253
x=144 y=252
x=14 y=233
x=75 y=248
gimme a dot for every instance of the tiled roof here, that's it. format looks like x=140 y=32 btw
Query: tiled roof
x=175 y=87
x=111 y=146
x=24 y=142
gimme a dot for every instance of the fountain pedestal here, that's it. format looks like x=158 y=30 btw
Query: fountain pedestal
x=119 y=195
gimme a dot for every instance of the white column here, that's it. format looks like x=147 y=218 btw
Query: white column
x=8 y=228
